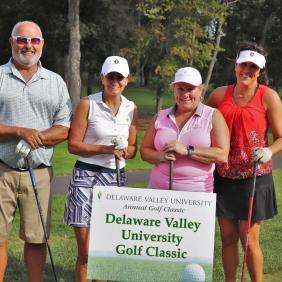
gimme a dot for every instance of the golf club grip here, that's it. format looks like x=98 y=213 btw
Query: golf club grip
x=117 y=171
x=171 y=175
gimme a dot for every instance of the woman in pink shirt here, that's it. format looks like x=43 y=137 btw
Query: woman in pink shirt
x=191 y=134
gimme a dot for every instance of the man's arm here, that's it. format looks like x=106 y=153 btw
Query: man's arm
x=31 y=136
x=54 y=135
x=48 y=137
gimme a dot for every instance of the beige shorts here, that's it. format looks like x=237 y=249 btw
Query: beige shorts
x=16 y=191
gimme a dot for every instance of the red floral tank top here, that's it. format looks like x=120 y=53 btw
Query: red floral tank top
x=248 y=126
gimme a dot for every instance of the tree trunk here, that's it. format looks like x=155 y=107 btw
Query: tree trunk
x=74 y=52
x=213 y=60
x=191 y=60
x=159 y=99
x=59 y=61
x=90 y=83
x=66 y=69
x=266 y=29
x=142 y=76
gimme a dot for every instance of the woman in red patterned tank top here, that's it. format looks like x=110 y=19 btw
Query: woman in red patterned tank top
x=250 y=108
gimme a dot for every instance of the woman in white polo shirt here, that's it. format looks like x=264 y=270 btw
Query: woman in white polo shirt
x=98 y=120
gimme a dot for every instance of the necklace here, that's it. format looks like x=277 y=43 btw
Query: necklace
x=241 y=95
x=113 y=105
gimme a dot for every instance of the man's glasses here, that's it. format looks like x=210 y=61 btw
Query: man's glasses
x=115 y=76
x=21 y=40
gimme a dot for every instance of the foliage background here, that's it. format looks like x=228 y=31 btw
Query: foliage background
x=156 y=36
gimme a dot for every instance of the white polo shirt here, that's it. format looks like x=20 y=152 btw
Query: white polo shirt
x=104 y=126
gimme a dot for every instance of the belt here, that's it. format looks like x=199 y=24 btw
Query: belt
x=95 y=168
x=23 y=168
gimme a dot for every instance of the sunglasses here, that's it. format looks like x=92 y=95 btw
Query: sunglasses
x=21 y=40
x=117 y=77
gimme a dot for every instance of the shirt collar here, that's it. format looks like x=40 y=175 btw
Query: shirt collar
x=198 y=112
x=40 y=73
x=99 y=99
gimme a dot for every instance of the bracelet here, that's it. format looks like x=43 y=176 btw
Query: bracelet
x=190 y=151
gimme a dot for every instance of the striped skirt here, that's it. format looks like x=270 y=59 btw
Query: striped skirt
x=84 y=178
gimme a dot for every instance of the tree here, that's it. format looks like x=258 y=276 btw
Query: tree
x=74 y=80
x=106 y=29
x=182 y=36
x=252 y=20
x=49 y=14
x=156 y=36
x=216 y=30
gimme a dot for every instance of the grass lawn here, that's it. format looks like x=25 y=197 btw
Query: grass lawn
x=63 y=246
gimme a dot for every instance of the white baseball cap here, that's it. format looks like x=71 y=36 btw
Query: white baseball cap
x=251 y=56
x=188 y=75
x=115 y=64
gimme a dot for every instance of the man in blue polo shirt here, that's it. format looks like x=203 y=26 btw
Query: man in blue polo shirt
x=35 y=111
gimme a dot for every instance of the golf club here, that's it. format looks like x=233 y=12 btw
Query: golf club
x=249 y=220
x=117 y=171
x=34 y=186
x=170 y=175
x=120 y=143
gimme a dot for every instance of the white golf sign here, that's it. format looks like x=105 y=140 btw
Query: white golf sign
x=151 y=235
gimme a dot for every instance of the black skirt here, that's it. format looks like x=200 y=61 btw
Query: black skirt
x=233 y=197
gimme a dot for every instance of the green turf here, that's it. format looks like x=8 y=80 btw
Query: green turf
x=148 y=270
x=63 y=160
x=145 y=99
x=64 y=247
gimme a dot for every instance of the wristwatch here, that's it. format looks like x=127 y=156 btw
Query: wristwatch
x=190 y=151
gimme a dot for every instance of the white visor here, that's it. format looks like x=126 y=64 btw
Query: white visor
x=251 y=56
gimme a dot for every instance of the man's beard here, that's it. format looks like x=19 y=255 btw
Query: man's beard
x=21 y=59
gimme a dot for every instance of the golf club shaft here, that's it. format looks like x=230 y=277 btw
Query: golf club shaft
x=117 y=171
x=249 y=220
x=171 y=175
x=34 y=185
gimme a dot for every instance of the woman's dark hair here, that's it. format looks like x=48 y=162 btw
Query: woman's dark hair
x=253 y=46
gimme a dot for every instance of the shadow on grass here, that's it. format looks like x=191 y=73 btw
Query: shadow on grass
x=16 y=272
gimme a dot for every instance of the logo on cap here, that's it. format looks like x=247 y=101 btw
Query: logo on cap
x=116 y=61
x=252 y=54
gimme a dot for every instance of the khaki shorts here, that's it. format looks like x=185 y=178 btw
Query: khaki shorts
x=16 y=191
